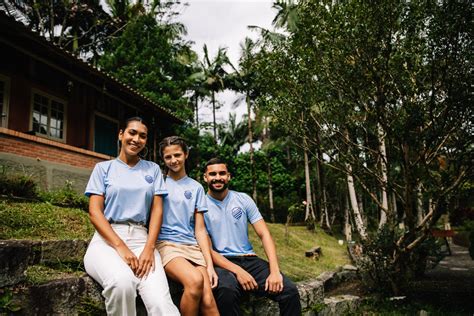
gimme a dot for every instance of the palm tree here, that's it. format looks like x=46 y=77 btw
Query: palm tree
x=243 y=80
x=213 y=75
x=77 y=27
x=232 y=133
x=287 y=14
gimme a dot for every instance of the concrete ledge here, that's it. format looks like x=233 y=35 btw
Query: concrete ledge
x=47 y=174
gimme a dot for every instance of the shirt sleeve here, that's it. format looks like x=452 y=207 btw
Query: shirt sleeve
x=159 y=187
x=96 y=184
x=201 y=204
x=253 y=214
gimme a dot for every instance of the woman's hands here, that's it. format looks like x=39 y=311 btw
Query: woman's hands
x=213 y=278
x=146 y=262
x=128 y=256
x=141 y=266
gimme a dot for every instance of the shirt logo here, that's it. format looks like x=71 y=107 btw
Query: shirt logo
x=149 y=178
x=188 y=194
x=237 y=212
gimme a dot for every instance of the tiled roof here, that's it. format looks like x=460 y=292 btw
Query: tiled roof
x=33 y=35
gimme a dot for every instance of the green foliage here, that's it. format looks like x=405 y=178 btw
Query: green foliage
x=89 y=307
x=392 y=77
x=283 y=181
x=42 y=221
x=65 y=197
x=17 y=185
x=40 y=274
x=7 y=304
x=151 y=57
x=385 y=275
x=317 y=308
x=80 y=27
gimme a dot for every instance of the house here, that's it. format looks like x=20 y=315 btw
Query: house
x=60 y=115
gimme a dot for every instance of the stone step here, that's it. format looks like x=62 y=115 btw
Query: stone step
x=78 y=295
x=68 y=296
x=82 y=295
x=340 y=305
x=17 y=255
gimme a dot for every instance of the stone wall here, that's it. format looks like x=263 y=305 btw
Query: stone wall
x=76 y=294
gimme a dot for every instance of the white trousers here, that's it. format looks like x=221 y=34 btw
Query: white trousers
x=120 y=285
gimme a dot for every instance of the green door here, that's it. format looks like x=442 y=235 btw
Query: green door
x=105 y=136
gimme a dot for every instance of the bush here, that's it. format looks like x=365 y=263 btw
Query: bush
x=381 y=273
x=17 y=185
x=65 y=197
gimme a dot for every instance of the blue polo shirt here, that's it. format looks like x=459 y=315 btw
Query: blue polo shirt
x=128 y=190
x=185 y=197
x=227 y=223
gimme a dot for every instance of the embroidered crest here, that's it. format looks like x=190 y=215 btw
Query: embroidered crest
x=188 y=194
x=149 y=178
x=237 y=212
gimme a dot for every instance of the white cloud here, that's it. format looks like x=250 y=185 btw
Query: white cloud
x=223 y=23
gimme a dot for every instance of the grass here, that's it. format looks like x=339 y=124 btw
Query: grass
x=291 y=253
x=39 y=274
x=43 y=221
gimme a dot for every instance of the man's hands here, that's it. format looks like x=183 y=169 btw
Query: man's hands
x=274 y=283
x=246 y=280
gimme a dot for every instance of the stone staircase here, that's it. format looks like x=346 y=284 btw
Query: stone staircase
x=75 y=293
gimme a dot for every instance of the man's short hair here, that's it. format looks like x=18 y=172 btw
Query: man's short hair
x=215 y=161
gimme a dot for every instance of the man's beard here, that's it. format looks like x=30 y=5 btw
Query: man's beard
x=223 y=188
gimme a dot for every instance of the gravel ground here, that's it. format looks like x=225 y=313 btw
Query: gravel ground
x=450 y=284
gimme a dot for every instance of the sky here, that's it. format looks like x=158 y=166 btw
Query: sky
x=223 y=23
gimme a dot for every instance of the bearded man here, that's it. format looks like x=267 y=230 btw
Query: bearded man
x=238 y=267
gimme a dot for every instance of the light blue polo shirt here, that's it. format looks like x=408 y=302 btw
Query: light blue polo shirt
x=185 y=196
x=128 y=190
x=227 y=223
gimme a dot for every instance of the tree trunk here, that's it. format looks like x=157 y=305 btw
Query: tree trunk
x=419 y=204
x=383 y=166
x=270 y=191
x=196 y=106
x=393 y=206
x=309 y=214
x=347 y=220
x=214 y=116
x=252 y=160
x=322 y=182
x=361 y=229
x=326 y=210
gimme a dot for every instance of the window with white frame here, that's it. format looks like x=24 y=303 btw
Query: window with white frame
x=48 y=116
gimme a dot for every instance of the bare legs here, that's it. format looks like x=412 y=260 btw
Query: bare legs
x=197 y=296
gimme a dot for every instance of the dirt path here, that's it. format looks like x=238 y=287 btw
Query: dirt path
x=450 y=284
